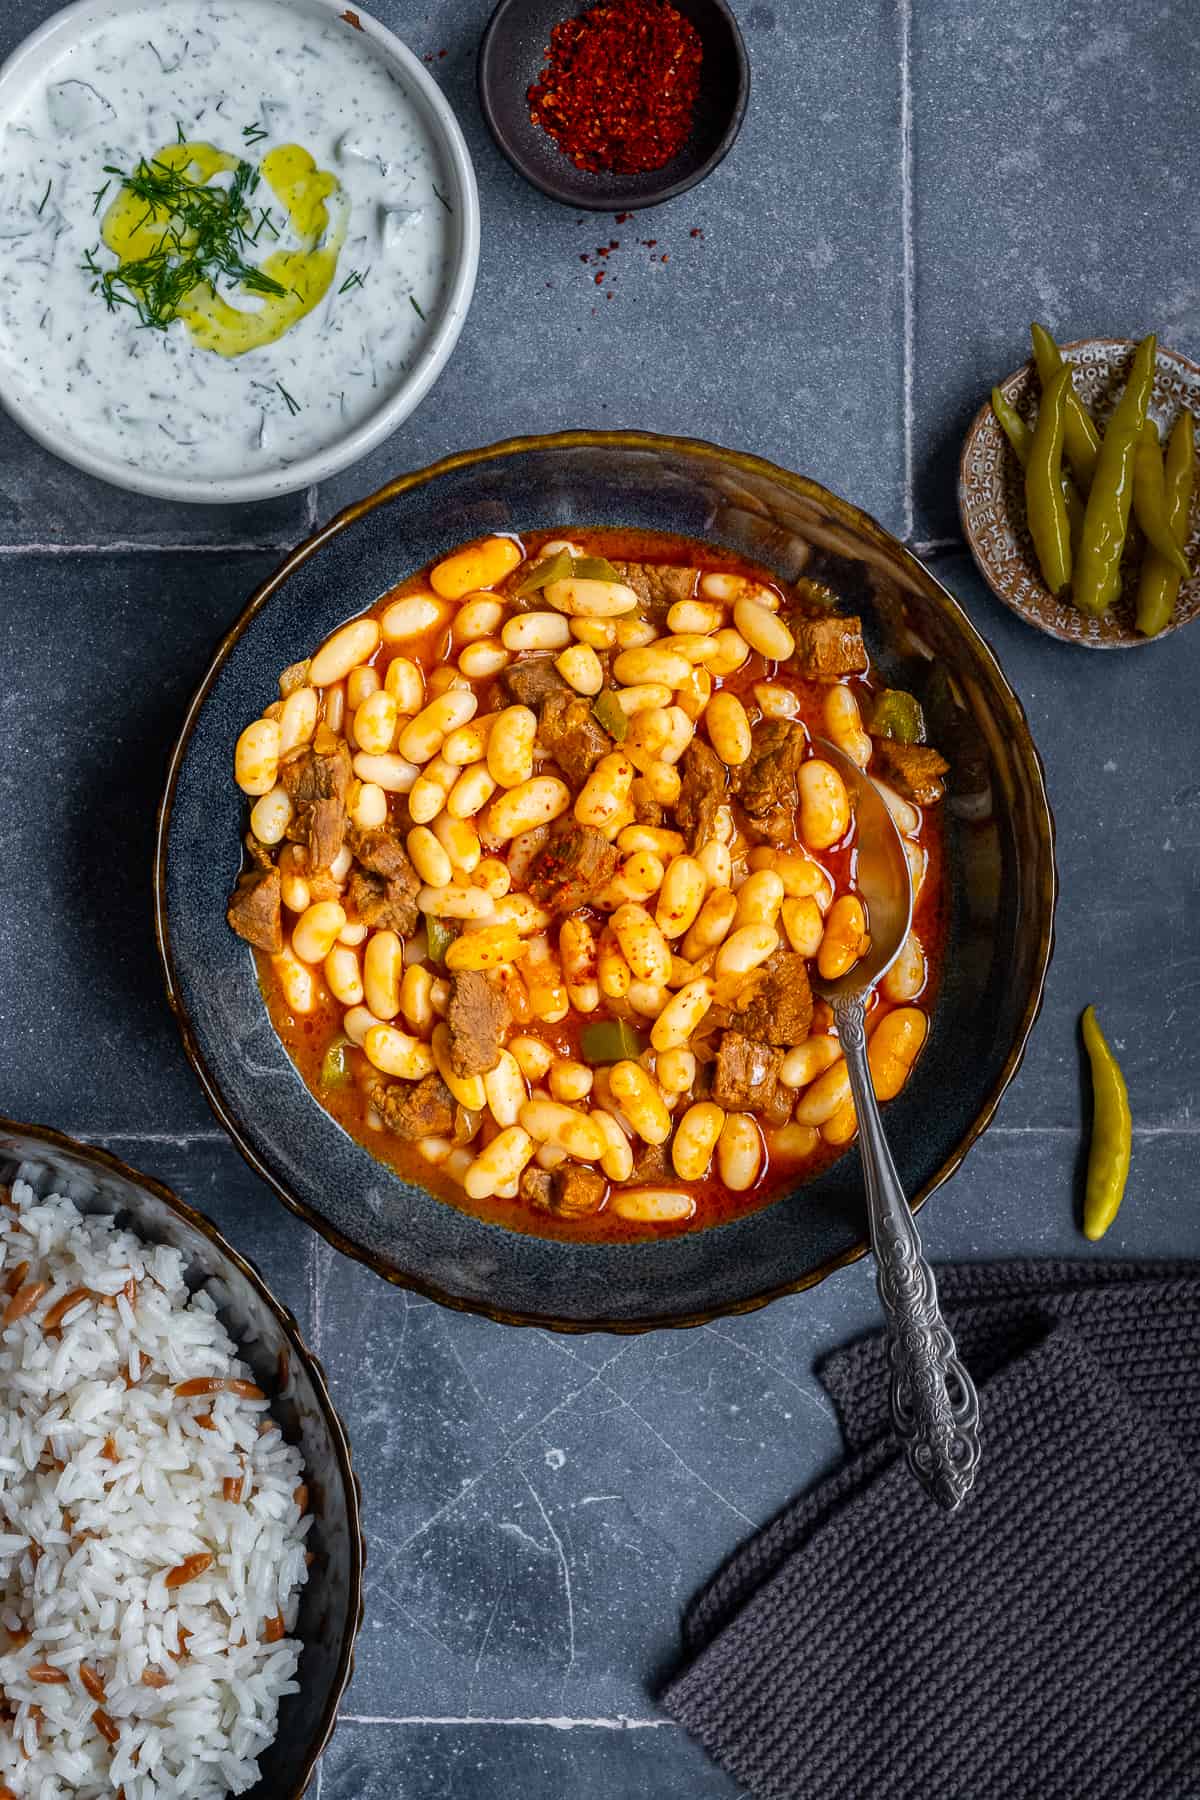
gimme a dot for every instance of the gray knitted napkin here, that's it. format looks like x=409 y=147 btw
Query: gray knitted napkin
x=1042 y=1644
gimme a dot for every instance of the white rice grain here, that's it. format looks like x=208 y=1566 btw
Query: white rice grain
x=108 y=1482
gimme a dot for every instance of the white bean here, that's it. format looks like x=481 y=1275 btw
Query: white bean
x=411 y=617
x=350 y=645
x=739 y=1150
x=270 y=816
x=256 y=758
x=536 y=631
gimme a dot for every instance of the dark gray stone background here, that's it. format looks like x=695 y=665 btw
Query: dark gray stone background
x=912 y=184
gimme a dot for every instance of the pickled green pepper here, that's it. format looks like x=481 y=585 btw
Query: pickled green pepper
x=1081 y=440
x=1150 y=500
x=1045 y=507
x=1112 y=1133
x=1106 y=521
x=1158 y=588
x=1020 y=437
x=897 y=715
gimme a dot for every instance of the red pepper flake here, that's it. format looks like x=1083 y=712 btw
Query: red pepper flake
x=351 y=18
x=622 y=218
x=695 y=232
x=619 y=88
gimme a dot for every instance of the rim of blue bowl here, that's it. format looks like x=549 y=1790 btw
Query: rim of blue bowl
x=614 y=197
x=853 y=516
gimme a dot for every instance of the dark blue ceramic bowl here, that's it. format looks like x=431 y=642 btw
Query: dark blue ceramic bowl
x=268 y=1338
x=1001 y=857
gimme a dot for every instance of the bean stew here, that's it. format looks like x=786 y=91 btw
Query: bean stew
x=539 y=855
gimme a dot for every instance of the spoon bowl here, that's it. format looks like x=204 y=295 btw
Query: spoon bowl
x=882 y=877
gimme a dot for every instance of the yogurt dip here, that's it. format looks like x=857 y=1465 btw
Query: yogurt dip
x=331 y=208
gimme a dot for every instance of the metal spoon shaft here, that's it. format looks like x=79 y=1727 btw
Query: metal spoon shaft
x=935 y=1409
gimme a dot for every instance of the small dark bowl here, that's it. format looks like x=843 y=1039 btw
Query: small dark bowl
x=1000 y=846
x=511 y=56
x=268 y=1337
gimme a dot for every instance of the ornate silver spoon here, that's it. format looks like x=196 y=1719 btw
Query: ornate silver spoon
x=935 y=1410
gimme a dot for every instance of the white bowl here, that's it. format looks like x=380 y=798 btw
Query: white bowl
x=28 y=63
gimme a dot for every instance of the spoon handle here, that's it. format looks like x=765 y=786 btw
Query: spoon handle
x=935 y=1409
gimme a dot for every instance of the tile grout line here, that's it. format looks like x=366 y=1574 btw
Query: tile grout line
x=314 y=1292
x=909 y=261
x=620 y=1723
x=130 y=547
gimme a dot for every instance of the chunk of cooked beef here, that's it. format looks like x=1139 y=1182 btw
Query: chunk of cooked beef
x=537 y=1186
x=767 y=783
x=255 y=910
x=745 y=1073
x=532 y=681
x=571 y=1192
x=477 y=1017
x=383 y=889
x=914 y=770
x=776 y=1003
x=380 y=849
x=701 y=792
x=572 y=734
x=386 y=904
x=316 y=783
x=651 y=1163
x=576 y=863
x=415 y=1109
x=258 y=852
x=646 y=809
x=829 y=648
x=658 y=585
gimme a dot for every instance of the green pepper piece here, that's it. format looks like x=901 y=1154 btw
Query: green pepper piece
x=551 y=568
x=1020 y=436
x=815 y=593
x=610 y=1041
x=1106 y=521
x=1158 y=588
x=607 y=709
x=335 y=1064
x=1080 y=437
x=1045 y=507
x=1150 y=500
x=593 y=568
x=897 y=715
x=1112 y=1133
x=439 y=936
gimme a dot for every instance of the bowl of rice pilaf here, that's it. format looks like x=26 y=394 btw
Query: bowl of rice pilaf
x=180 y=1545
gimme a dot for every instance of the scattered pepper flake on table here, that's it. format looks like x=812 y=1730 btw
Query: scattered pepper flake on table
x=619 y=88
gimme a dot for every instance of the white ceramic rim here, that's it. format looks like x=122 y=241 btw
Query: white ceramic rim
x=268 y=483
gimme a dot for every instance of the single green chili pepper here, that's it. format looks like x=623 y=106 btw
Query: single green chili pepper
x=1045 y=507
x=1081 y=439
x=1106 y=521
x=1112 y=1133
x=1150 y=499
x=1020 y=436
x=1158 y=588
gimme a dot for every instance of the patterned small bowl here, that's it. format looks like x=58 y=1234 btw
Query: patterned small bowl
x=991 y=498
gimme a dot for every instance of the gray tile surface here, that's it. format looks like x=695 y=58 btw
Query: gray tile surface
x=540 y=1509
x=1053 y=147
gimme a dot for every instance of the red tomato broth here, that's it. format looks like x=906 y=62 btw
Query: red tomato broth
x=307 y=1037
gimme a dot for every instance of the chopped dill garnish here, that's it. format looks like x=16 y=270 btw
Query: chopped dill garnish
x=293 y=405
x=354 y=279
x=204 y=232
x=413 y=303
x=99 y=195
x=45 y=196
x=254 y=134
x=179 y=133
x=442 y=197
